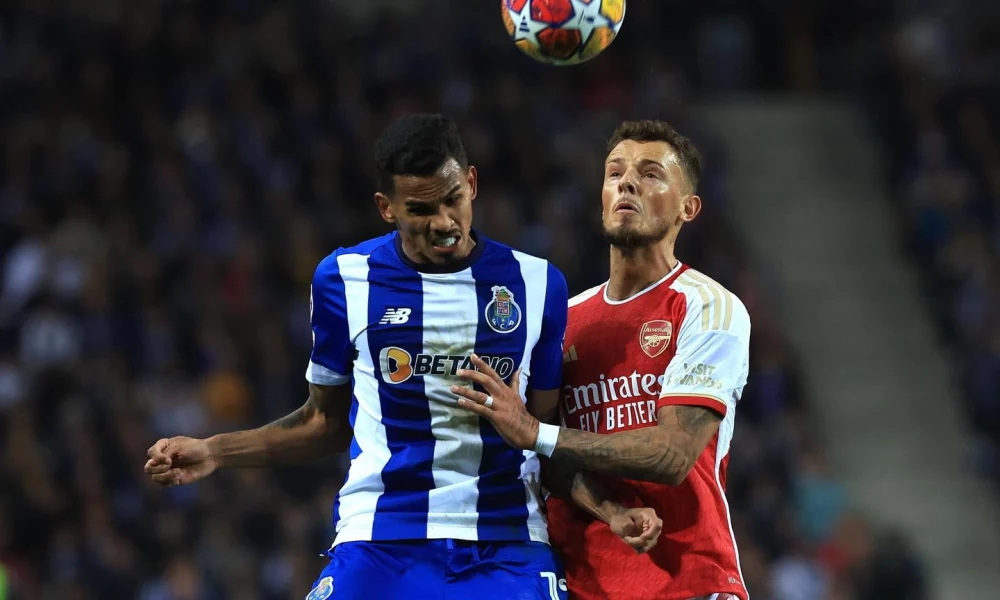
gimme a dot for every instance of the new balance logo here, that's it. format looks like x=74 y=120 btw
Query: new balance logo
x=395 y=316
x=570 y=355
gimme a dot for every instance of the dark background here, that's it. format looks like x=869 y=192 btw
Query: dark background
x=172 y=172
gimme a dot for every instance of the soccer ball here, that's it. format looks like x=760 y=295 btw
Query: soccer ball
x=563 y=32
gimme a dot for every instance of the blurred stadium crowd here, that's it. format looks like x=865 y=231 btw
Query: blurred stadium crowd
x=942 y=119
x=170 y=179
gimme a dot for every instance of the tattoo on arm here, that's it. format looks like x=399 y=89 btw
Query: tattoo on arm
x=299 y=416
x=583 y=489
x=316 y=429
x=693 y=419
x=560 y=478
x=322 y=403
x=664 y=453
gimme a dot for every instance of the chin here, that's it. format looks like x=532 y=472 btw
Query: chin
x=447 y=258
x=439 y=259
x=630 y=238
x=622 y=231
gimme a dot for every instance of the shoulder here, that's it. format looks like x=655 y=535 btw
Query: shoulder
x=709 y=306
x=586 y=296
x=368 y=247
x=534 y=269
x=364 y=249
x=344 y=261
x=494 y=248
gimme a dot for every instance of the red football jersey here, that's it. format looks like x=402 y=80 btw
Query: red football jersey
x=683 y=341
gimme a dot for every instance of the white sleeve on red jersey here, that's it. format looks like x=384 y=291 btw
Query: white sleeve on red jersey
x=712 y=361
x=585 y=295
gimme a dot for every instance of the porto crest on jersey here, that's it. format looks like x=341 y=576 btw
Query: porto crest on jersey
x=503 y=314
x=323 y=589
x=654 y=337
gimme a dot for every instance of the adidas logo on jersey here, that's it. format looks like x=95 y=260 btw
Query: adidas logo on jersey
x=570 y=355
x=395 y=316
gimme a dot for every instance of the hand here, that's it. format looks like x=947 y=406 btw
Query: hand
x=180 y=461
x=506 y=411
x=637 y=527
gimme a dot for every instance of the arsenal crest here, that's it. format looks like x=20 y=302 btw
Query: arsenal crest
x=503 y=315
x=654 y=337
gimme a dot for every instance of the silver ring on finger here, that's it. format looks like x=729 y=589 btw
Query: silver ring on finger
x=489 y=402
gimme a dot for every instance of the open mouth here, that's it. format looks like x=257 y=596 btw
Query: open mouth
x=626 y=208
x=446 y=244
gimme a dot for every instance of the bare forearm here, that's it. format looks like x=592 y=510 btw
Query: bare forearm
x=644 y=454
x=581 y=488
x=661 y=454
x=561 y=478
x=305 y=435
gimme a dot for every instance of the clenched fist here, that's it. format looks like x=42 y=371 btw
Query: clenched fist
x=180 y=461
x=637 y=527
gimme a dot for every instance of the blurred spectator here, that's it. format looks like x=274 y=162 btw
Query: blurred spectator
x=937 y=101
x=171 y=175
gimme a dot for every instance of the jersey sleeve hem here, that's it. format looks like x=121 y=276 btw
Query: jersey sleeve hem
x=703 y=400
x=320 y=375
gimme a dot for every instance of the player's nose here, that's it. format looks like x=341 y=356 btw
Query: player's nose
x=442 y=223
x=629 y=183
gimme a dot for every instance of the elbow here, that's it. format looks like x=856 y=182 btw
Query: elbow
x=340 y=439
x=676 y=476
x=340 y=445
x=332 y=435
x=677 y=467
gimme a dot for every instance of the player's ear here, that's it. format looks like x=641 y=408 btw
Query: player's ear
x=473 y=180
x=690 y=207
x=384 y=206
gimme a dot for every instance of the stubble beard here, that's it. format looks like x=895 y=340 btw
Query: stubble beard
x=627 y=238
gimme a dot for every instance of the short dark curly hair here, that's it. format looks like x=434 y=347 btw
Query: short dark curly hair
x=417 y=144
x=660 y=131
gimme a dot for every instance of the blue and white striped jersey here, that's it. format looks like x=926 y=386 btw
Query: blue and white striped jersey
x=421 y=467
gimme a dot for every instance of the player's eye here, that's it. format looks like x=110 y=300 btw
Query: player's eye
x=451 y=201
x=614 y=174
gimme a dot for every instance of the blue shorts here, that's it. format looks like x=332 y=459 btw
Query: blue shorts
x=441 y=569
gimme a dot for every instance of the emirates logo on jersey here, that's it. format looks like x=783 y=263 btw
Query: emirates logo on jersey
x=654 y=337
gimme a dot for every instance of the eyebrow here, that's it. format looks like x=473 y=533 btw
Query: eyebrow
x=642 y=162
x=450 y=193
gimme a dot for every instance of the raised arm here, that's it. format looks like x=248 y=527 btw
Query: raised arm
x=321 y=426
x=318 y=428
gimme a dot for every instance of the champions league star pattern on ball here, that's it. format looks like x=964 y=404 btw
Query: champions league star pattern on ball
x=563 y=32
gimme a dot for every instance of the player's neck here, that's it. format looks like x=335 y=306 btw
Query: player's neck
x=633 y=270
